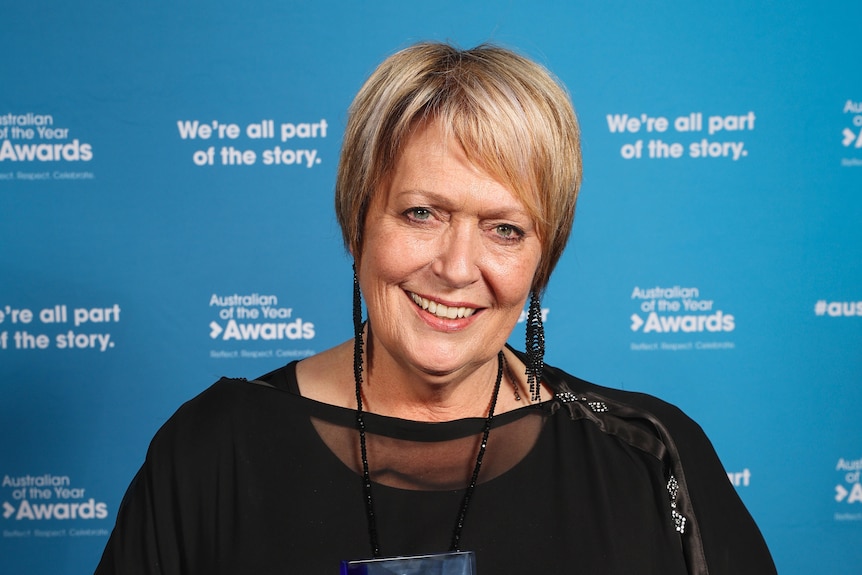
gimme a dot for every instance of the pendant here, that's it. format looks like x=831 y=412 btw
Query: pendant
x=454 y=563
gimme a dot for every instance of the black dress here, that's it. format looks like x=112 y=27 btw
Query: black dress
x=252 y=478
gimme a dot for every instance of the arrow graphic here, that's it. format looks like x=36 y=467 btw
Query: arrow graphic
x=637 y=322
x=215 y=329
x=8 y=510
x=840 y=493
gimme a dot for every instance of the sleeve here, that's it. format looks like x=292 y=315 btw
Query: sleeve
x=731 y=541
x=145 y=537
x=166 y=523
x=719 y=536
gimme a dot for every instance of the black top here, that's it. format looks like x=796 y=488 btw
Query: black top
x=252 y=478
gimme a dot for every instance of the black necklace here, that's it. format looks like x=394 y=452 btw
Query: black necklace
x=366 y=476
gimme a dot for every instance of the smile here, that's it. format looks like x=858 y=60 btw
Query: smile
x=440 y=310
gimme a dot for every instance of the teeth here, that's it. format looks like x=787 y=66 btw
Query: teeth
x=441 y=310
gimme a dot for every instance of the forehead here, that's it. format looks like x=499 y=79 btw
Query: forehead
x=433 y=163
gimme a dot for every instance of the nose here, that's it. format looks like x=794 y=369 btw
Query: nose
x=458 y=255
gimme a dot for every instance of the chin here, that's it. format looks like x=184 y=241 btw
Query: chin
x=447 y=360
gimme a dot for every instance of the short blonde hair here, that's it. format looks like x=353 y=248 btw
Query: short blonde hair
x=511 y=117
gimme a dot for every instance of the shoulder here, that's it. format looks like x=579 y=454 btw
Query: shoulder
x=223 y=398
x=639 y=411
x=644 y=421
x=228 y=409
x=630 y=404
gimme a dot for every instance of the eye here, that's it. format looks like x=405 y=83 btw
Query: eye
x=509 y=232
x=418 y=214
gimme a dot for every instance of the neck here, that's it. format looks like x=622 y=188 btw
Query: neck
x=396 y=390
x=327 y=377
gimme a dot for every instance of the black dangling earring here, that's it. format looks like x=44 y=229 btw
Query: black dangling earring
x=357 y=328
x=535 y=347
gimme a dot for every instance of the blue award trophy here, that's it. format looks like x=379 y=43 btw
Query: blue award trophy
x=454 y=563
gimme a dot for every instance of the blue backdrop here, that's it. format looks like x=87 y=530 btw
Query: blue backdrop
x=166 y=177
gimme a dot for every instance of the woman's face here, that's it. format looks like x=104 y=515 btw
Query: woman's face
x=448 y=258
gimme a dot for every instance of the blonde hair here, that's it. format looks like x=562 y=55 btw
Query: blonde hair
x=511 y=117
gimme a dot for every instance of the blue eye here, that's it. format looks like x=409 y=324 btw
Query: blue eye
x=509 y=232
x=420 y=214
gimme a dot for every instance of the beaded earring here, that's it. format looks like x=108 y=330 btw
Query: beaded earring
x=358 y=326
x=535 y=347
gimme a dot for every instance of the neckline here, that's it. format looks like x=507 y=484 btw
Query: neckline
x=284 y=379
x=326 y=419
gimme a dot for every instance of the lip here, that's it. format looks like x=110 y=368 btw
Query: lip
x=437 y=310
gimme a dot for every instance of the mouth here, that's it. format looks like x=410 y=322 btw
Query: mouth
x=441 y=310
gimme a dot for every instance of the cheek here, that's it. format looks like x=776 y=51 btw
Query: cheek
x=512 y=278
x=386 y=260
x=514 y=294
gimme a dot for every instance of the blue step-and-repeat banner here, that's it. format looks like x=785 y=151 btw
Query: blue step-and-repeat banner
x=166 y=183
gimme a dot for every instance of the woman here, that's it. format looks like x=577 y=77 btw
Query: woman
x=426 y=433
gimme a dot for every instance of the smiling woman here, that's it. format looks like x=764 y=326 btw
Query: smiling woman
x=442 y=231
x=426 y=433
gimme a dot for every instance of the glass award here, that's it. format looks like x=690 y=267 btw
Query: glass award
x=454 y=563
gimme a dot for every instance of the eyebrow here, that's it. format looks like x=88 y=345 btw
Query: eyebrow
x=493 y=212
